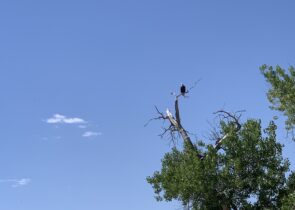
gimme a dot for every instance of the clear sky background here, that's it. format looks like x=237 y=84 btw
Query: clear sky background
x=79 y=79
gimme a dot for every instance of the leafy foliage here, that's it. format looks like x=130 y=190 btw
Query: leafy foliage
x=288 y=195
x=249 y=172
x=289 y=202
x=282 y=91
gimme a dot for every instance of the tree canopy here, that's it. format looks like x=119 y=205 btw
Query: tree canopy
x=282 y=91
x=249 y=172
x=244 y=169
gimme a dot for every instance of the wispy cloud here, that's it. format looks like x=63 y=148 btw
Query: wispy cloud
x=16 y=182
x=80 y=123
x=82 y=126
x=21 y=182
x=91 y=134
x=61 y=119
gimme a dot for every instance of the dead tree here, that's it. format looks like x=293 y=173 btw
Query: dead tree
x=175 y=126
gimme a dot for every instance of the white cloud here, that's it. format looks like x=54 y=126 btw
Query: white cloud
x=91 y=134
x=82 y=126
x=21 y=182
x=17 y=182
x=58 y=119
x=61 y=119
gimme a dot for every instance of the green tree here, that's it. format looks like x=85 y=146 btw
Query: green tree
x=249 y=166
x=243 y=170
x=288 y=196
x=281 y=95
x=289 y=202
x=282 y=91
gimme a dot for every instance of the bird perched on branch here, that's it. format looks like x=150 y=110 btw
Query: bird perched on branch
x=183 y=90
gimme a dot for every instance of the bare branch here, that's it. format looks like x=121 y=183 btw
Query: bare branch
x=231 y=118
x=161 y=116
x=194 y=85
x=177 y=115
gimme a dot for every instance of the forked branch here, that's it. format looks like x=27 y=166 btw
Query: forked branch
x=230 y=118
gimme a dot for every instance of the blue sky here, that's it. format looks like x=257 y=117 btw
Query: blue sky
x=79 y=79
